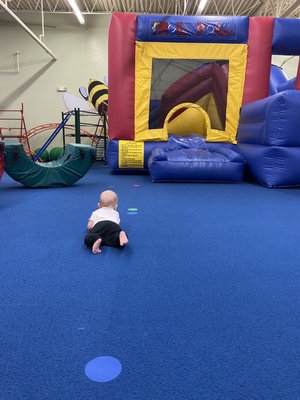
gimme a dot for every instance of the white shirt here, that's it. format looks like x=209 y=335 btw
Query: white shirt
x=105 y=214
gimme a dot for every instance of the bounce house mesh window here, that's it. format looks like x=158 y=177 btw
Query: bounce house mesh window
x=176 y=81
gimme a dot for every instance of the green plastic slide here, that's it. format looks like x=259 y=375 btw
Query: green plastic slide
x=65 y=171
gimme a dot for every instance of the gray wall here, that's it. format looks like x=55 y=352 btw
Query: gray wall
x=81 y=51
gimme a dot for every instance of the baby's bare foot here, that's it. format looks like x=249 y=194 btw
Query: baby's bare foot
x=96 y=247
x=123 y=238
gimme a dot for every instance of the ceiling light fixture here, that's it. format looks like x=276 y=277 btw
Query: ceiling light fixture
x=202 y=4
x=76 y=11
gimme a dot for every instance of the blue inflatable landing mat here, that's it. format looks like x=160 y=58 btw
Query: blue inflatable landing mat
x=191 y=159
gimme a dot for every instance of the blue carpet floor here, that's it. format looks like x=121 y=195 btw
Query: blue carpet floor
x=203 y=304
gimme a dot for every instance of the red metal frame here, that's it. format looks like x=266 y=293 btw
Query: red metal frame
x=12 y=132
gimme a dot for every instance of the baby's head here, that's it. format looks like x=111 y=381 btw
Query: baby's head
x=108 y=198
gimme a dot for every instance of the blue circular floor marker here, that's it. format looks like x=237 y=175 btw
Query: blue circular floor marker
x=103 y=369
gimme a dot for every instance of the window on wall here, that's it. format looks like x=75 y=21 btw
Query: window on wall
x=177 y=81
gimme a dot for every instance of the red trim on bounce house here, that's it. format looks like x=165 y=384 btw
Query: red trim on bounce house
x=297 y=83
x=121 y=64
x=259 y=59
x=1 y=158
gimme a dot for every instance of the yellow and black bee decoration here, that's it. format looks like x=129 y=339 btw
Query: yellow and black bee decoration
x=98 y=95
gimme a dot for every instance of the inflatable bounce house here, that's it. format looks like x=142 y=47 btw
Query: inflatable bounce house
x=196 y=98
x=1 y=158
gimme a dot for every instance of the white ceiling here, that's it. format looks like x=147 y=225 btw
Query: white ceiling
x=273 y=8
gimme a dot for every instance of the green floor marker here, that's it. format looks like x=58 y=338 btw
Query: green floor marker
x=132 y=209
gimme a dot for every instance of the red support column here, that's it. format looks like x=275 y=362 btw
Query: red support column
x=297 y=83
x=121 y=65
x=259 y=59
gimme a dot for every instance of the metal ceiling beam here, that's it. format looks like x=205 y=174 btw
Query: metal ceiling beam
x=283 y=8
x=290 y=9
x=56 y=5
x=25 y=27
x=232 y=7
x=224 y=12
x=168 y=7
x=261 y=8
x=217 y=9
x=250 y=8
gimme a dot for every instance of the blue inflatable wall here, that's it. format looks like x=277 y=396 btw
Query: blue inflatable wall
x=277 y=78
x=269 y=139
